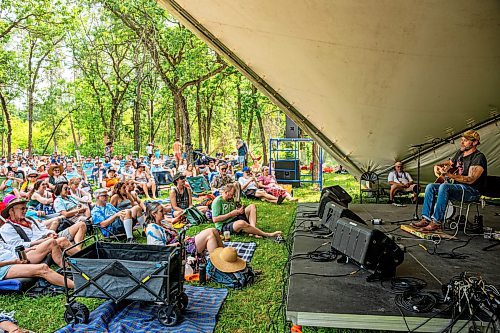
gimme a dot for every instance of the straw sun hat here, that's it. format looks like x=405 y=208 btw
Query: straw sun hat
x=52 y=167
x=226 y=260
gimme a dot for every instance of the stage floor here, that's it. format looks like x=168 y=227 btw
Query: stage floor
x=351 y=302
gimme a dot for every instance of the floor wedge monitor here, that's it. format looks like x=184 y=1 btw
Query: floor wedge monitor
x=368 y=247
x=333 y=211
x=333 y=193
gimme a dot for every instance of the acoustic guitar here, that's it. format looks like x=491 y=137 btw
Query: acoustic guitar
x=446 y=168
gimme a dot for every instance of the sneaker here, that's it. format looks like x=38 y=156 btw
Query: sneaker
x=280 y=200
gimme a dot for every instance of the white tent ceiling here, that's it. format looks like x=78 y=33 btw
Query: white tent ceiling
x=366 y=79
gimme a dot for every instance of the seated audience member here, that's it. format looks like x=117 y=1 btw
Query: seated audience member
x=28 y=184
x=70 y=171
x=41 y=168
x=190 y=171
x=143 y=179
x=227 y=217
x=109 y=217
x=17 y=172
x=159 y=231
x=78 y=193
x=401 y=181
x=98 y=172
x=122 y=199
x=68 y=206
x=36 y=233
x=56 y=176
x=3 y=167
x=181 y=196
x=11 y=267
x=11 y=184
x=84 y=182
x=201 y=164
x=136 y=201
x=110 y=180
x=183 y=166
x=248 y=185
x=127 y=171
x=255 y=168
x=211 y=167
x=268 y=183
x=222 y=178
x=157 y=167
x=40 y=199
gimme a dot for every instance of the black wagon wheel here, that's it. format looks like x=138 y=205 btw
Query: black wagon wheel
x=76 y=313
x=169 y=320
x=183 y=301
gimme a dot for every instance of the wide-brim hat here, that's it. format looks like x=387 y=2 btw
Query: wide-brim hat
x=57 y=166
x=11 y=203
x=33 y=173
x=177 y=176
x=226 y=260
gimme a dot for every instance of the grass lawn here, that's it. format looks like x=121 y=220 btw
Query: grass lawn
x=248 y=310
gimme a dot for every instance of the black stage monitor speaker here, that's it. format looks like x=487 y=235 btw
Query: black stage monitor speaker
x=333 y=193
x=334 y=211
x=370 y=248
x=286 y=171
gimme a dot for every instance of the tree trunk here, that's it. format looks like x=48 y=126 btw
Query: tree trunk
x=208 y=125
x=262 y=138
x=199 y=116
x=54 y=131
x=238 y=109
x=151 y=120
x=6 y=113
x=137 y=112
x=73 y=133
x=30 y=121
x=181 y=108
x=177 y=121
x=315 y=162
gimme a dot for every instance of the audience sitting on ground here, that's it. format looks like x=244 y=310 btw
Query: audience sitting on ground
x=68 y=206
x=36 y=234
x=190 y=171
x=40 y=199
x=401 y=181
x=248 y=184
x=127 y=170
x=17 y=172
x=11 y=267
x=267 y=182
x=221 y=178
x=122 y=199
x=183 y=166
x=228 y=216
x=28 y=184
x=110 y=219
x=110 y=180
x=181 y=196
x=70 y=171
x=132 y=193
x=11 y=184
x=145 y=181
x=159 y=231
x=56 y=176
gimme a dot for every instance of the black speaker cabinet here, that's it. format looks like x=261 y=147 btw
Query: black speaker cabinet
x=333 y=193
x=287 y=172
x=368 y=247
x=333 y=211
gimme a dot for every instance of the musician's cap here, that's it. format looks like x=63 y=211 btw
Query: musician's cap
x=472 y=135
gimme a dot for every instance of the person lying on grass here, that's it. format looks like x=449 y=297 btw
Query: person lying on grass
x=268 y=182
x=248 y=184
x=228 y=217
x=159 y=231
x=11 y=267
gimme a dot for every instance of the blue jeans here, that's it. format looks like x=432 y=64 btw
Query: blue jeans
x=445 y=192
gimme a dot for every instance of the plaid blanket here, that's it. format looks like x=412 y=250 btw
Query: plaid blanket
x=200 y=316
x=245 y=250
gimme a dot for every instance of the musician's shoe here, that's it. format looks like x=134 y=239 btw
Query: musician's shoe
x=432 y=227
x=420 y=224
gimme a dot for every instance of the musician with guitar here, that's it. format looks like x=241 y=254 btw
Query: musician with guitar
x=460 y=178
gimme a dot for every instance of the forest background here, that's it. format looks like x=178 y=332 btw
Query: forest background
x=77 y=74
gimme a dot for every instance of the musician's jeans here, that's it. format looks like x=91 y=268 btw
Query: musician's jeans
x=445 y=192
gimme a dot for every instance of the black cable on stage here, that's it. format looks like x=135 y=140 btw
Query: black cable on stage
x=418 y=302
x=407 y=284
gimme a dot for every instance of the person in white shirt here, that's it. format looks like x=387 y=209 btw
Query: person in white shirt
x=401 y=181
x=248 y=184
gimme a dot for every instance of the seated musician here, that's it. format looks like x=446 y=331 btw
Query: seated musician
x=468 y=180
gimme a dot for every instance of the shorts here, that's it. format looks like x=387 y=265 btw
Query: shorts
x=241 y=159
x=4 y=270
x=178 y=156
x=250 y=194
x=65 y=233
x=116 y=228
x=229 y=226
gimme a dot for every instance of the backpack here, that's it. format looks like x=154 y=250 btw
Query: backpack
x=194 y=216
x=236 y=280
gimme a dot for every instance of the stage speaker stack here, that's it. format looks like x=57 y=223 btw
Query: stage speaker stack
x=333 y=193
x=287 y=170
x=368 y=247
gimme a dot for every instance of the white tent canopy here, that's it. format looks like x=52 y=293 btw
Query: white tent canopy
x=366 y=79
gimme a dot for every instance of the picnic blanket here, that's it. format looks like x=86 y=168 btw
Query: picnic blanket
x=245 y=250
x=200 y=316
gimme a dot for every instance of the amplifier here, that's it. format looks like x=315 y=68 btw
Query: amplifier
x=368 y=247
x=333 y=193
x=333 y=211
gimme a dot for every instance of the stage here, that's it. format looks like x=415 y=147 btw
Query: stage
x=351 y=302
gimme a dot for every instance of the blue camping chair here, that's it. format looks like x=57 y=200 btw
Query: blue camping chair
x=199 y=185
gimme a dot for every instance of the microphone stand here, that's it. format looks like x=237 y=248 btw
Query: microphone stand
x=415 y=217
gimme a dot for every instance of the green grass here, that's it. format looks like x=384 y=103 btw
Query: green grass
x=244 y=310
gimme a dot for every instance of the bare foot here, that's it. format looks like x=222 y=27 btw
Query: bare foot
x=274 y=234
x=257 y=236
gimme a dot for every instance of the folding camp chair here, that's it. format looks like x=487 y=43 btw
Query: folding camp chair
x=162 y=179
x=199 y=185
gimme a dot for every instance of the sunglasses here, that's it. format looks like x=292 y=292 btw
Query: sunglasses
x=23 y=209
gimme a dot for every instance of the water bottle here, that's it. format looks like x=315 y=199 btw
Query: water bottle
x=21 y=254
x=203 y=273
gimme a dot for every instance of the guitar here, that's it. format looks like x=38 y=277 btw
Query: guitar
x=443 y=169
